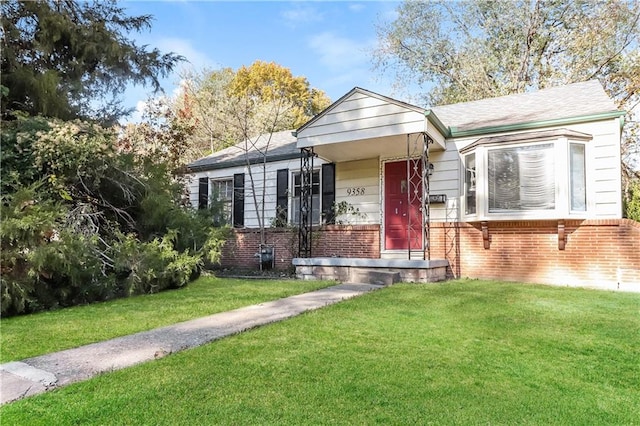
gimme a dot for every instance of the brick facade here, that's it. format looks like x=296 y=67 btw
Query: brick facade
x=329 y=241
x=596 y=253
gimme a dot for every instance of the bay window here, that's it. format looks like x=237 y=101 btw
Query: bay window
x=533 y=175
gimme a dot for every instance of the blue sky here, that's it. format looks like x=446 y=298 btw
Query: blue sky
x=329 y=43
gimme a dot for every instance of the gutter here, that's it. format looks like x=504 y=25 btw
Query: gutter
x=433 y=119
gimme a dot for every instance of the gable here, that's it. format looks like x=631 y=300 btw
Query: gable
x=363 y=115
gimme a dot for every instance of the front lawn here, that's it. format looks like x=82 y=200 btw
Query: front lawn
x=30 y=335
x=463 y=352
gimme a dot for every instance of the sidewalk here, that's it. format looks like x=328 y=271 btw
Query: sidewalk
x=39 y=374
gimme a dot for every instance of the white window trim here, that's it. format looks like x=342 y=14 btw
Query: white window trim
x=212 y=183
x=292 y=196
x=561 y=146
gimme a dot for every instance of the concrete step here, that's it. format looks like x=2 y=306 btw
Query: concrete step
x=373 y=276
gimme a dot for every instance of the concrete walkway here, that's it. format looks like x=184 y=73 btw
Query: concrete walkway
x=42 y=373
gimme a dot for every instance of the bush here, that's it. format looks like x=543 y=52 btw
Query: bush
x=632 y=206
x=82 y=222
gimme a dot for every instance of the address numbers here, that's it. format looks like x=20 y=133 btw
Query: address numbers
x=355 y=191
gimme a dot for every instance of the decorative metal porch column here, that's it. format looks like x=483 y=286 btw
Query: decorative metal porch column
x=306 y=202
x=418 y=193
x=427 y=168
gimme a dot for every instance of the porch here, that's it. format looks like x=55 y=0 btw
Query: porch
x=371 y=271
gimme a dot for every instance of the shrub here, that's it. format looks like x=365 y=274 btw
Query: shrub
x=632 y=207
x=82 y=222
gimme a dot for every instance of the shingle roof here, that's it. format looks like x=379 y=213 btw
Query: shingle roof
x=282 y=145
x=573 y=100
x=564 y=102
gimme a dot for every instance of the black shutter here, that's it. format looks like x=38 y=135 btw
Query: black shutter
x=238 y=200
x=203 y=193
x=282 y=198
x=328 y=192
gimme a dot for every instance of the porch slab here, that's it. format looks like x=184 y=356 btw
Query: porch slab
x=351 y=269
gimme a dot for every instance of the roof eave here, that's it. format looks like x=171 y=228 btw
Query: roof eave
x=433 y=119
x=242 y=162
x=535 y=124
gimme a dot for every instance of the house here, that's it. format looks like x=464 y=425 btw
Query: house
x=525 y=187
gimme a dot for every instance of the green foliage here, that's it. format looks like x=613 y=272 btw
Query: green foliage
x=345 y=211
x=632 y=205
x=27 y=224
x=83 y=221
x=17 y=152
x=154 y=266
x=72 y=59
x=471 y=50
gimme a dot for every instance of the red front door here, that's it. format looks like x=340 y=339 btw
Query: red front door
x=402 y=202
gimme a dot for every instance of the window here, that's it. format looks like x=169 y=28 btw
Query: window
x=315 y=198
x=470 y=184
x=221 y=201
x=530 y=175
x=578 y=178
x=522 y=178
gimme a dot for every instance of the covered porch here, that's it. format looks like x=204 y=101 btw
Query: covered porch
x=396 y=139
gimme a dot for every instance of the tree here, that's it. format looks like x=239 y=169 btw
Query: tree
x=213 y=102
x=269 y=82
x=70 y=59
x=203 y=104
x=469 y=50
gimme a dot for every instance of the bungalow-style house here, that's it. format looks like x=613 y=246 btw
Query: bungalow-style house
x=525 y=187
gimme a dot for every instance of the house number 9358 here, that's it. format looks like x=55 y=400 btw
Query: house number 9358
x=355 y=191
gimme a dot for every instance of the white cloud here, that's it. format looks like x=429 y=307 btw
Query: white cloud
x=301 y=14
x=356 y=7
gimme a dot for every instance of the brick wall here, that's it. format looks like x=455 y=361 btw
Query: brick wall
x=329 y=241
x=597 y=253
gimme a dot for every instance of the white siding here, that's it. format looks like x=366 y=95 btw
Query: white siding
x=364 y=176
x=250 y=215
x=445 y=180
x=359 y=175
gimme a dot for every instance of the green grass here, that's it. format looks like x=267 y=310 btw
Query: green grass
x=464 y=352
x=30 y=335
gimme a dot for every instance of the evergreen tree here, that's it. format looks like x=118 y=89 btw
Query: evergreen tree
x=71 y=59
